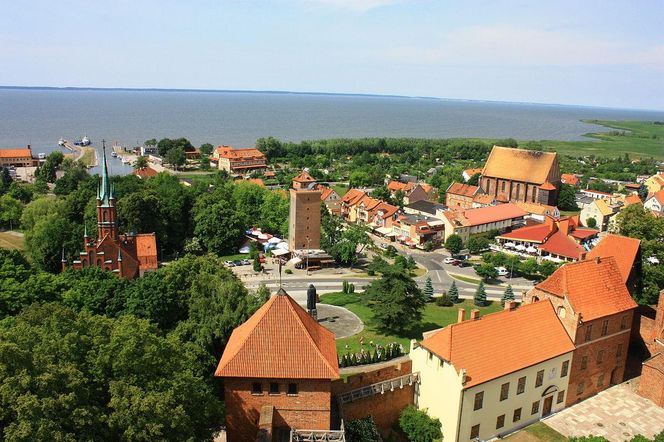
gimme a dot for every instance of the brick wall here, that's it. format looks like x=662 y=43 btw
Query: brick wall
x=309 y=409
x=652 y=384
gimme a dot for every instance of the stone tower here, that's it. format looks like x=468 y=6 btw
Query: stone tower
x=304 y=219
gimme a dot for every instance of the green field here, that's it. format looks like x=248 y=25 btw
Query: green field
x=434 y=317
x=11 y=240
x=341 y=189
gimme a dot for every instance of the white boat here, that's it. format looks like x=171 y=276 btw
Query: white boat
x=41 y=156
x=61 y=142
x=114 y=155
x=85 y=141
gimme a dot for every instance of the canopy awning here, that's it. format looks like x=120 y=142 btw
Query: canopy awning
x=521 y=247
x=280 y=252
x=274 y=240
x=531 y=249
x=509 y=244
x=295 y=261
x=384 y=230
x=282 y=245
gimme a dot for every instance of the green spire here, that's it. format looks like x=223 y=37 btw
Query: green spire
x=104 y=193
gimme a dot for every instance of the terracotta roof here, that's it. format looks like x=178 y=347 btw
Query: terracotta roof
x=562 y=245
x=352 y=196
x=569 y=178
x=237 y=154
x=624 y=249
x=583 y=233
x=268 y=174
x=536 y=208
x=519 y=164
x=462 y=189
x=535 y=233
x=393 y=186
x=471 y=172
x=547 y=186
x=659 y=196
x=146 y=250
x=388 y=209
x=483 y=199
x=594 y=288
x=15 y=153
x=368 y=202
x=632 y=199
x=325 y=192
x=304 y=177
x=489 y=214
x=501 y=343
x=280 y=341
x=145 y=172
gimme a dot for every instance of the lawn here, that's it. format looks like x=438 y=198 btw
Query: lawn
x=89 y=156
x=11 y=240
x=341 y=189
x=433 y=317
x=539 y=432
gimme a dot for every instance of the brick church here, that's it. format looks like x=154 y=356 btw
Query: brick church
x=128 y=255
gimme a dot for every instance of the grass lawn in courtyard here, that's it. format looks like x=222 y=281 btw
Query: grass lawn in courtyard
x=11 y=240
x=433 y=317
x=538 y=432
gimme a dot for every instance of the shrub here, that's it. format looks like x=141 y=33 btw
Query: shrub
x=288 y=271
x=418 y=426
x=362 y=430
x=444 y=301
x=454 y=244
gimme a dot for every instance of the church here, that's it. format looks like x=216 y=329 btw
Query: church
x=127 y=255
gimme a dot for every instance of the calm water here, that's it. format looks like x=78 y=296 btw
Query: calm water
x=41 y=117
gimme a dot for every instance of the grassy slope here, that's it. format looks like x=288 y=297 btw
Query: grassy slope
x=434 y=317
x=11 y=240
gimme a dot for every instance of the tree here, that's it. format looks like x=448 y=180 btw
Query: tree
x=397 y=301
x=217 y=224
x=453 y=292
x=486 y=271
x=591 y=222
x=477 y=244
x=206 y=149
x=529 y=267
x=566 y=198
x=547 y=268
x=257 y=266
x=474 y=180
x=151 y=142
x=508 y=295
x=428 y=288
x=141 y=163
x=10 y=211
x=175 y=157
x=419 y=426
x=362 y=430
x=5 y=180
x=71 y=180
x=359 y=178
x=480 y=295
x=454 y=243
x=352 y=242
x=45 y=241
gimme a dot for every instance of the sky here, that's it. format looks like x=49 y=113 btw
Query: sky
x=589 y=52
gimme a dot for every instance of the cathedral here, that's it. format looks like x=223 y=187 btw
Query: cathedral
x=128 y=255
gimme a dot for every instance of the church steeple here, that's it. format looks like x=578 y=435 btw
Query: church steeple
x=105 y=189
x=106 y=214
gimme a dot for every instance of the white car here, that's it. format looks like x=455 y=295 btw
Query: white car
x=502 y=271
x=449 y=260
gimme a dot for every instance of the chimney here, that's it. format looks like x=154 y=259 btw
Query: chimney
x=597 y=260
x=474 y=314
x=510 y=305
x=460 y=315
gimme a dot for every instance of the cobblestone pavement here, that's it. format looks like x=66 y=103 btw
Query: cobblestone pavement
x=340 y=321
x=617 y=413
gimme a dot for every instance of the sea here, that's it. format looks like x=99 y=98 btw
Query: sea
x=39 y=117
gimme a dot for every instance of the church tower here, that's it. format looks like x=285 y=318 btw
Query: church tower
x=304 y=219
x=106 y=212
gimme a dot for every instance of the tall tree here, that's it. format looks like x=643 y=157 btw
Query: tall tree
x=480 y=295
x=566 y=198
x=428 y=288
x=454 y=244
x=508 y=295
x=453 y=292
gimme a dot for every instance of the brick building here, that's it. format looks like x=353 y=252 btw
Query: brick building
x=128 y=255
x=278 y=369
x=462 y=196
x=16 y=158
x=304 y=217
x=239 y=160
x=652 y=374
x=521 y=175
x=596 y=309
x=627 y=252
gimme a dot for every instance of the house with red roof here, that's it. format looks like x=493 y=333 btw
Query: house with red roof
x=145 y=172
x=556 y=239
x=348 y=203
x=278 y=369
x=655 y=202
x=416 y=230
x=239 y=161
x=489 y=376
x=469 y=173
x=468 y=222
x=17 y=158
x=596 y=309
x=570 y=178
x=462 y=196
x=412 y=191
x=330 y=198
x=627 y=253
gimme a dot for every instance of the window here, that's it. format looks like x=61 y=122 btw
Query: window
x=479 y=400
x=475 y=431
x=535 y=408
x=561 y=397
x=292 y=388
x=521 y=386
x=517 y=415
x=502 y=186
x=539 y=379
x=579 y=388
x=600 y=380
x=500 y=421
x=600 y=356
x=562 y=312
x=619 y=350
x=274 y=388
x=584 y=362
x=623 y=322
x=504 y=391
x=256 y=388
x=564 y=369
x=552 y=373
x=589 y=332
x=605 y=327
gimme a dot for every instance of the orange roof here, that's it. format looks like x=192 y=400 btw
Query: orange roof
x=369 y=203
x=483 y=199
x=146 y=250
x=594 y=288
x=501 y=343
x=632 y=199
x=268 y=174
x=352 y=196
x=624 y=249
x=569 y=178
x=256 y=181
x=547 y=186
x=393 y=186
x=471 y=172
x=659 y=196
x=304 y=177
x=388 y=209
x=462 y=189
x=325 y=192
x=562 y=245
x=535 y=233
x=237 y=154
x=536 y=208
x=489 y=214
x=145 y=172
x=16 y=153
x=528 y=166
x=280 y=341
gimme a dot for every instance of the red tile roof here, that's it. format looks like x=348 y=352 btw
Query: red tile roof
x=145 y=172
x=659 y=196
x=146 y=251
x=562 y=245
x=583 y=233
x=569 y=178
x=535 y=233
x=594 y=288
x=624 y=249
x=632 y=199
x=280 y=341
x=501 y=343
x=237 y=154
x=304 y=178
x=325 y=192
x=393 y=186
x=16 y=153
x=462 y=189
x=368 y=202
x=547 y=186
x=353 y=196
x=489 y=214
x=388 y=209
x=471 y=172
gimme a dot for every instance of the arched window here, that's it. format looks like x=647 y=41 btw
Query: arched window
x=535 y=299
x=561 y=312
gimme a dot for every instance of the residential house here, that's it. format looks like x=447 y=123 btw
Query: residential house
x=569 y=178
x=412 y=191
x=417 y=230
x=627 y=253
x=348 y=203
x=426 y=208
x=330 y=198
x=16 y=157
x=655 y=202
x=239 y=160
x=602 y=211
x=655 y=183
x=512 y=175
x=596 y=194
x=381 y=218
x=145 y=172
x=484 y=219
x=461 y=196
x=487 y=377
x=556 y=239
x=364 y=208
x=277 y=370
x=632 y=199
x=596 y=309
x=469 y=173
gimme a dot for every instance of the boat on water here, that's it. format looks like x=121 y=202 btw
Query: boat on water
x=85 y=141
x=126 y=161
x=61 y=141
x=41 y=155
x=114 y=155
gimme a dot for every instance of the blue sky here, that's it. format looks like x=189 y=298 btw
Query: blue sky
x=601 y=53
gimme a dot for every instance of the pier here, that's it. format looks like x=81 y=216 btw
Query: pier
x=86 y=154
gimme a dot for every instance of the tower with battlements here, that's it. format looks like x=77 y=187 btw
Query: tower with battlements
x=304 y=218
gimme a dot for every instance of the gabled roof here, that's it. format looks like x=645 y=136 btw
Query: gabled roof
x=146 y=251
x=470 y=172
x=489 y=214
x=562 y=245
x=238 y=154
x=547 y=186
x=304 y=178
x=625 y=250
x=368 y=202
x=280 y=341
x=569 y=178
x=501 y=343
x=325 y=192
x=16 y=153
x=462 y=189
x=145 y=172
x=537 y=208
x=632 y=199
x=528 y=166
x=659 y=196
x=352 y=197
x=387 y=209
x=603 y=208
x=393 y=186
x=534 y=233
x=594 y=288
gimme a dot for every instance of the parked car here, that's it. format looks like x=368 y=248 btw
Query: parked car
x=237 y=262
x=502 y=271
x=382 y=246
x=246 y=262
x=229 y=263
x=449 y=260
